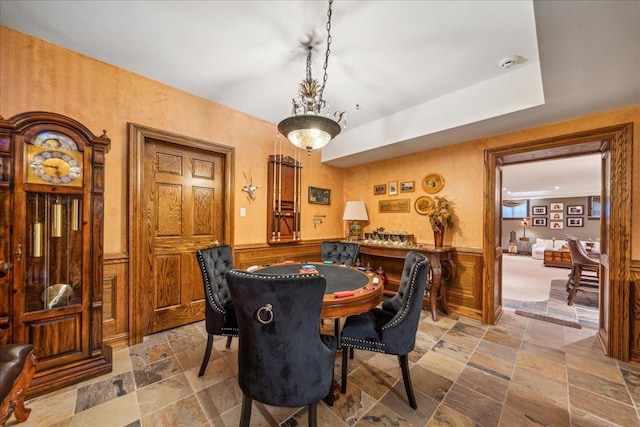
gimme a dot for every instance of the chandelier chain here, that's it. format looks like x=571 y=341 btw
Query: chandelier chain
x=328 y=52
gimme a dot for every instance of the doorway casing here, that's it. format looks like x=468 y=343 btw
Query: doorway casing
x=615 y=147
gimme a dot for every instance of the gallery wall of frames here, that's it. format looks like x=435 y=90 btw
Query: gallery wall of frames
x=554 y=217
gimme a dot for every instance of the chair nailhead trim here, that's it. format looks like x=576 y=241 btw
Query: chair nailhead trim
x=411 y=289
x=208 y=284
x=275 y=276
x=360 y=344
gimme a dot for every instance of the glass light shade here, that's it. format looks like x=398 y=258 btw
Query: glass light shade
x=309 y=132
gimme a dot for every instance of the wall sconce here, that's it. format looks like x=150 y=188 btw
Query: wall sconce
x=355 y=211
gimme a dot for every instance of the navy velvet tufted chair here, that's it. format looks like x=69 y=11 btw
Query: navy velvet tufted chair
x=392 y=328
x=340 y=253
x=282 y=358
x=220 y=316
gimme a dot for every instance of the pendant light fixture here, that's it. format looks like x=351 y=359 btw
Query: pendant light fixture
x=310 y=126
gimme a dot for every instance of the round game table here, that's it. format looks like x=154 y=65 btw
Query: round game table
x=366 y=287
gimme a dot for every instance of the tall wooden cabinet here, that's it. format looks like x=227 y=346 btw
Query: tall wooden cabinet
x=51 y=236
x=283 y=199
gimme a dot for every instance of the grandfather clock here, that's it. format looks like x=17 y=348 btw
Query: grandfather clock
x=51 y=236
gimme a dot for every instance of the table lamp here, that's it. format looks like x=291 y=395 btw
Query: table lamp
x=524 y=223
x=355 y=210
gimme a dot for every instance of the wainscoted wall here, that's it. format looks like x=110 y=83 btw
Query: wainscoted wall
x=464 y=293
x=115 y=300
x=634 y=283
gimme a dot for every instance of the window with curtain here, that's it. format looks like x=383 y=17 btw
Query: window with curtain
x=515 y=209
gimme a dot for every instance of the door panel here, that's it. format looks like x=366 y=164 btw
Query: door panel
x=185 y=195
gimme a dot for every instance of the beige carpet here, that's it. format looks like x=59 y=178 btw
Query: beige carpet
x=527 y=279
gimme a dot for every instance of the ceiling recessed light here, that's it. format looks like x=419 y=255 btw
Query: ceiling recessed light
x=556 y=187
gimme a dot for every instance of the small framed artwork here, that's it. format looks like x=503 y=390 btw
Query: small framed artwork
x=539 y=210
x=407 y=187
x=393 y=188
x=319 y=196
x=556 y=207
x=575 y=210
x=556 y=225
x=556 y=216
x=540 y=222
x=575 y=222
x=379 y=189
x=394 y=206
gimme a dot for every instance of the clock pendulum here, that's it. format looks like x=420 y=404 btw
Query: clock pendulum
x=36 y=234
x=56 y=218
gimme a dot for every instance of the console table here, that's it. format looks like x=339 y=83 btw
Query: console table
x=557 y=258
x=391 y=259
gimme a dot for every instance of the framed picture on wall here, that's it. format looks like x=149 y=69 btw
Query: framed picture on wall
x=394 y=205
x=319 y=196
x=539 y=210
x=379 y=189
x=556 y=207
x=556 y=216
x=407 y=187
x=556 y=225
x=393 y=188
x=540 y=222
x=575 y=210
x=575 y=222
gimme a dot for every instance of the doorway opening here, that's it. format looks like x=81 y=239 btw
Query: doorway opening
x=614 y=144
x=543 y=203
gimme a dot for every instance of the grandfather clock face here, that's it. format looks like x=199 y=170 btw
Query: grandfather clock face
x=53 y=159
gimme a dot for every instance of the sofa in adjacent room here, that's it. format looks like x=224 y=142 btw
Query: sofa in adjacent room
x=537 y=249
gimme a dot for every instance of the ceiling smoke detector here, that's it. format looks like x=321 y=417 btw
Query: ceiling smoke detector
x=510 y=61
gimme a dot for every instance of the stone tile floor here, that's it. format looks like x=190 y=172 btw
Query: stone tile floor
x=519 y=372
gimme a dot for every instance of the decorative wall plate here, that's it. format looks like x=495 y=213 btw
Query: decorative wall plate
x=432 y=183
x=422 y=204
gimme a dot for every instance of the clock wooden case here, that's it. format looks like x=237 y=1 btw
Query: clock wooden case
x=51 y=236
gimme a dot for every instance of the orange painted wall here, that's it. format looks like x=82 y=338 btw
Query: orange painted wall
x=462 y=167
x=37 y=75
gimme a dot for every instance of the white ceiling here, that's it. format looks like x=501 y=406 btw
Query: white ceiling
x=411 y=75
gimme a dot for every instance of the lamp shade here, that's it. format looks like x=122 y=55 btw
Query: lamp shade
x=355 y=210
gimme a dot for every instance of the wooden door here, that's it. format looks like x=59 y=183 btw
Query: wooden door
x=183 y=198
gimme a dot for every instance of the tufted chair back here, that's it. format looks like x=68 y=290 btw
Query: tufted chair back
x=220 y=318
x=282 y=358
x=400 y=298
x=581 y=263
x=341 y=253
x=392 y=328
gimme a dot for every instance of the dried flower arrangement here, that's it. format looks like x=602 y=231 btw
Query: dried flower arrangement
x=440 y=214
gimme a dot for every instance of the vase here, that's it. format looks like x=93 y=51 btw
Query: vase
x=438 y=237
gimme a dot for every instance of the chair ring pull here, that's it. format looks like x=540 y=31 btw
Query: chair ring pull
x=265 y=314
